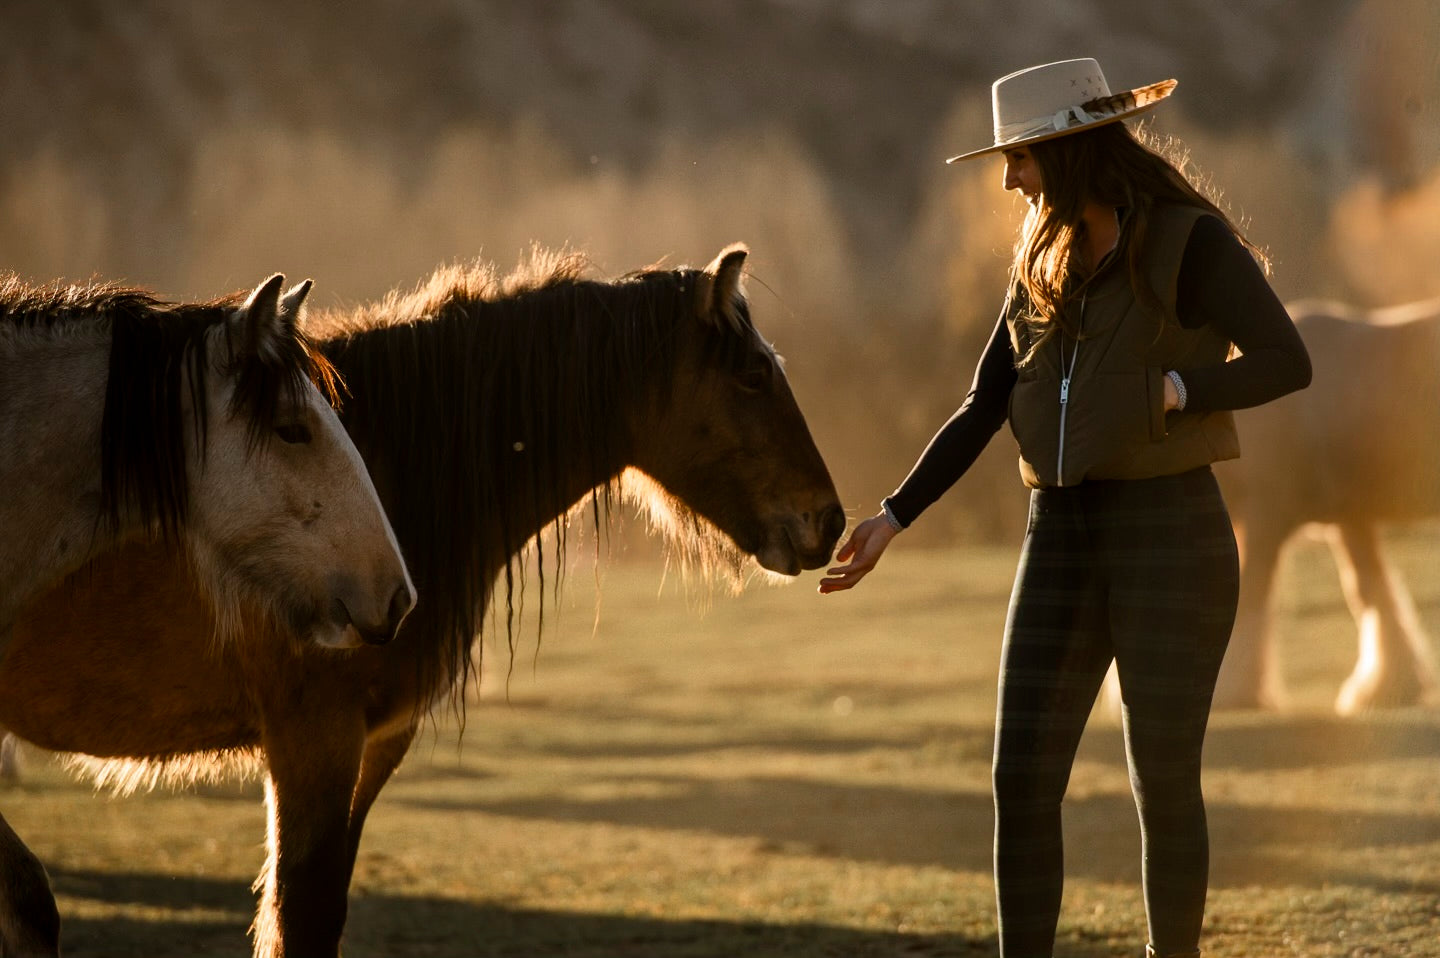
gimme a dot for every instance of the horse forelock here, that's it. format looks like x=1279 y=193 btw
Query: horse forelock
x=270 y=380
x=507 y=397
x=157 y=358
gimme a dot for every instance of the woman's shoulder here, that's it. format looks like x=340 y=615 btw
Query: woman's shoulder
x=1185 y=216
x=1193 y=229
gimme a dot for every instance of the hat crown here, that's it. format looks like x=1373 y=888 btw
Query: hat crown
x=1056 y=99
x=1042 y=91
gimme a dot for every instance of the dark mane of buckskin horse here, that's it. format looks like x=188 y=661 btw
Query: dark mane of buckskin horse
x=157 y=357
x=473 y=429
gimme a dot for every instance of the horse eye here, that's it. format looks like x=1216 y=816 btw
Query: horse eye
x=756 y=373
x=294 y=433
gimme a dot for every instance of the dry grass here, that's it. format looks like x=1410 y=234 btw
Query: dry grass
x=780 y=774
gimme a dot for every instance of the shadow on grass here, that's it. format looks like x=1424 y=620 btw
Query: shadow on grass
x=965 y=743
x=215 y=913
x=1240 y=741
x=402 y=927
x=952 y=830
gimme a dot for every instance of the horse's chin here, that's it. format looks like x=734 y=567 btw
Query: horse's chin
x=779 y=559
x=782 y=555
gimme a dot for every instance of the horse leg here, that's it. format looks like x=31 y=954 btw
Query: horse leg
x=1394 y=665
x=382 y=757
x=314 y=764
x=29 y=920
x=1250 y=674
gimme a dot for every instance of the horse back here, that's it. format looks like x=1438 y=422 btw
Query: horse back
x=1363 y=441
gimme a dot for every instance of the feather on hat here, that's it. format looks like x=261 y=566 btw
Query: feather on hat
x=1056 y=99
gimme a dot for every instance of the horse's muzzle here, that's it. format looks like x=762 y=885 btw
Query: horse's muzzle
x=401 y=602
x=383 y=628
x=806 y=541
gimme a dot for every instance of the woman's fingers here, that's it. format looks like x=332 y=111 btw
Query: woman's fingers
x=863 y=549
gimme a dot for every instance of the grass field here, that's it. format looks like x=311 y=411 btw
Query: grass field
x=781 y=774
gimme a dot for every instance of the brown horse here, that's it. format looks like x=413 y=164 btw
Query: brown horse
x=487 y=410
x=1359 y=448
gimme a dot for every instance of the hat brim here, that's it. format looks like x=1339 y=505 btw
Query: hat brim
x=1110 y=109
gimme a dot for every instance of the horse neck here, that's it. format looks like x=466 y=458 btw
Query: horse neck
x=469 y=431
x=548 y=442
x=52 y=396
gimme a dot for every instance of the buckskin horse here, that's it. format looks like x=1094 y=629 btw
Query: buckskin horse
x=201 y=425
x=488 y=409
x=123 y=415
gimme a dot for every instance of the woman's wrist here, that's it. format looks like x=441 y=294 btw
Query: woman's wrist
x=895 y=524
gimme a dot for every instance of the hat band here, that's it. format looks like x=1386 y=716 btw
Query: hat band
x=1024 y=129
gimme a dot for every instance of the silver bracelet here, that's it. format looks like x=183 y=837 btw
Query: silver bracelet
x=890 y=516
x=1179 y=390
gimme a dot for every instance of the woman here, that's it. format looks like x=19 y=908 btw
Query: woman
x=1112 y=362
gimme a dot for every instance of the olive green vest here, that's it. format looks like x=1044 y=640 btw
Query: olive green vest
x=1112 y=424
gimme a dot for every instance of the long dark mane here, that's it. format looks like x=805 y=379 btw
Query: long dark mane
x=486 y=405
x=157 y=354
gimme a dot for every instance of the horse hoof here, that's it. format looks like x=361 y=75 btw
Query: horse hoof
x=1366 y=693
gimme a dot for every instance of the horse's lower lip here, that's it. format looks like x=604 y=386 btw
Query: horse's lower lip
x=792 y=568
x=781 y=556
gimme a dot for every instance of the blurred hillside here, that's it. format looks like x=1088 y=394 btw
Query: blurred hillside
x=196 y=147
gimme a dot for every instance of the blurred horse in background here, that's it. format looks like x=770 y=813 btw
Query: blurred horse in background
x=488 y=410
x=1358 y=449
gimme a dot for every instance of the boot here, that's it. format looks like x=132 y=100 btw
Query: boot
x=1150 y=952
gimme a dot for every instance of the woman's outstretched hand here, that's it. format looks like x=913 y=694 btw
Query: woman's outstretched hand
x=863 y=549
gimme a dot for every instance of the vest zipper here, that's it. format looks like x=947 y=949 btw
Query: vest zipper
x=1065 y=389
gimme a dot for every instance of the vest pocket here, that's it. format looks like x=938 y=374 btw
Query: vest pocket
x=1117 y=421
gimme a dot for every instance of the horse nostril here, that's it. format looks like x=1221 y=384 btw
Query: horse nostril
x=400 y=605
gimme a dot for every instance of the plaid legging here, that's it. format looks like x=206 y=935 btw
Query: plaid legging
x=1144 y=572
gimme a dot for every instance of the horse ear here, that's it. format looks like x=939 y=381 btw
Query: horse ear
x=723 y=294
x=261 y=322
x=293 y=302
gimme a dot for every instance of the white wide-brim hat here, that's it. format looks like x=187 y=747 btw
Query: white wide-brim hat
x=1056 y=99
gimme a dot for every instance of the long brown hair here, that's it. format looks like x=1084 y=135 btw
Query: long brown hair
x=1113 y=166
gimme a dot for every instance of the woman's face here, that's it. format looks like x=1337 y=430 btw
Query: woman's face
x=1022 y=174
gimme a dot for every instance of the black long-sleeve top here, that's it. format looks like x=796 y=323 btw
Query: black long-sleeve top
x=1219 y=284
